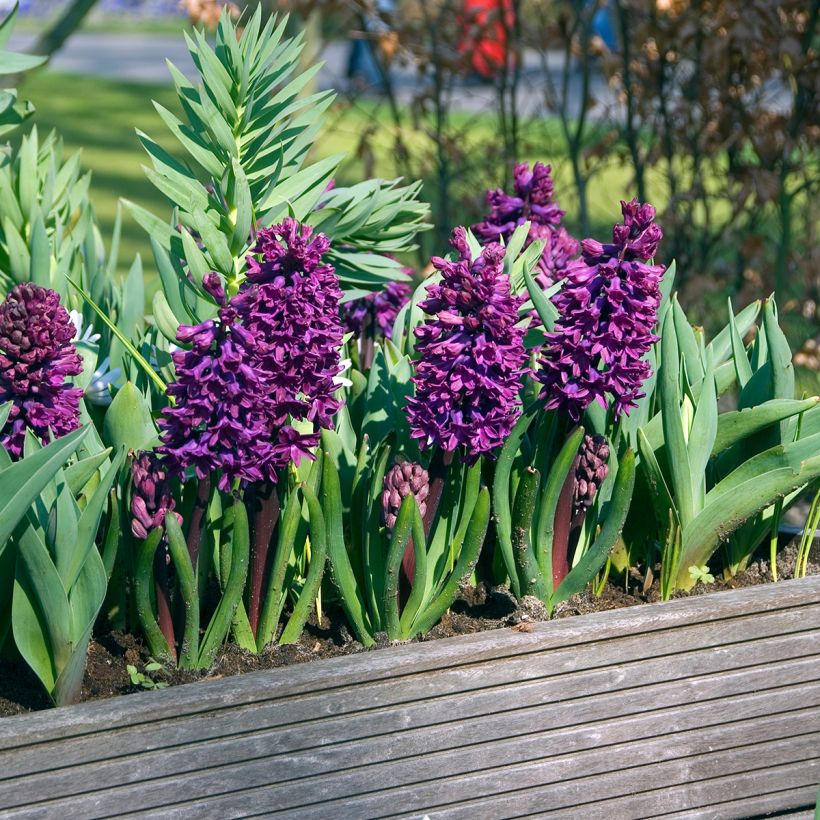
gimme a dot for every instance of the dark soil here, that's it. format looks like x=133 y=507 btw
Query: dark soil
x=477 y=609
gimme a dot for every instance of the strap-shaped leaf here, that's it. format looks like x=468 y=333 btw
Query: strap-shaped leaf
x=23 y=481
x=595 y=557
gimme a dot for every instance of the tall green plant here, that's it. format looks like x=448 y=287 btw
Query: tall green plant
x=246 y=133
x=715 y=478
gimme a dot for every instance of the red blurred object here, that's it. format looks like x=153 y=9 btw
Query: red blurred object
x=485 y=24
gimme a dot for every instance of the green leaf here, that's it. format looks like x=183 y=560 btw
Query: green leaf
x=126 y=343
x=673 y=431
x=128 y=422
x=23 y=481
x=342 y=570
x=595 y=557
x=736 y=425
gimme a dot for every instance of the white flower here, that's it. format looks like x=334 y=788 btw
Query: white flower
x=99 y=388
x=339 y=380
x=79 y=336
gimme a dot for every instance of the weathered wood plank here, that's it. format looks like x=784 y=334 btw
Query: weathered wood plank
x=461 y=774
x=519 y=791
x=593 y=735
x=411 y=659
x=501 y=724
x=755 y=806
x=532 y=728
x=298 y=752
x=607 y=659
x=434 y=702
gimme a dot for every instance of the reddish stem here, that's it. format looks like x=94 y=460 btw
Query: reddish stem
x=266 y=514
x=563 y=528
x=162 y=589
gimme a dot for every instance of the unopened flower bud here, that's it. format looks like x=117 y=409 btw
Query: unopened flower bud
x=402 y=479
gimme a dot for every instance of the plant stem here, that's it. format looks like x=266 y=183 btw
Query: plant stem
x=266 y=515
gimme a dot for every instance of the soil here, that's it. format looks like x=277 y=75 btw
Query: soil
x=477 y=609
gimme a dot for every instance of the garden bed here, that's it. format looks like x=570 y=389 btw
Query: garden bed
x=477 y=609
x=708 y=705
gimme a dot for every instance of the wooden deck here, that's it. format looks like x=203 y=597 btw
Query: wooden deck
x=707 y=707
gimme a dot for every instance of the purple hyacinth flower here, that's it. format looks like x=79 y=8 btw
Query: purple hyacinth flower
x=292 y=310
x=376 y=313
x=218 y=420
x=608 y=309
x=269 y=358
x=151 y=498
x=532 y=200
x=472 y=355
x=36 y=360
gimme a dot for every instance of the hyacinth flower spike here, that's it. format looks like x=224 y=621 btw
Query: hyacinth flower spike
x=37 y=361
x=531 y=201
x=471 y=362
x=608 y=311
x=372 y=317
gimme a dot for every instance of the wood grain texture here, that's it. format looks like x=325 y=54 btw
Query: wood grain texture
x=702 y=707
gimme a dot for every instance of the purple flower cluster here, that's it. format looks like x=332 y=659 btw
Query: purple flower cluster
x=271 y=355
x=36 y=360
x=375 y=313
x=590 y=472
x=532 y=200
x=402 y=479
x=151 y=498
x=292 y=310
x=608 y=309
x=472 y=355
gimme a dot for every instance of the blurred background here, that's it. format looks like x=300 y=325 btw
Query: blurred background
x=709 y=110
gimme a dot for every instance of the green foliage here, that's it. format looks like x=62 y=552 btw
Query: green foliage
x=60 y=579
x=13 y=112
x=723 y=478
x=247 y=132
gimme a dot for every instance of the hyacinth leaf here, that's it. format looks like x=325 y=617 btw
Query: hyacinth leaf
x=402 y=531
x=687 y=342
x=164 y=319
x=742 y=367
x=5 y=409
x=23 y=481
x=471 y=488
x=736 y=425
x=662 y=502
x=530 y=577
x=128 y=422
x=666 y=285
x=501 y=495
x=41 y=632
x=702 y=436
x=515 y=245
x=313 y=582
x=673 y=423
x=547 y=312
x=752 y=487
x=186 y=577
x=341 y=568
x=417 y=591
x=373 y=554
x=143 y=583
x=276 y=594
x=60 y=585
x=780 y=357
x=430 y=615
x=124 y=340
x=615 y=517
x=220 y=623
x=10 y=62
x=548 y=502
